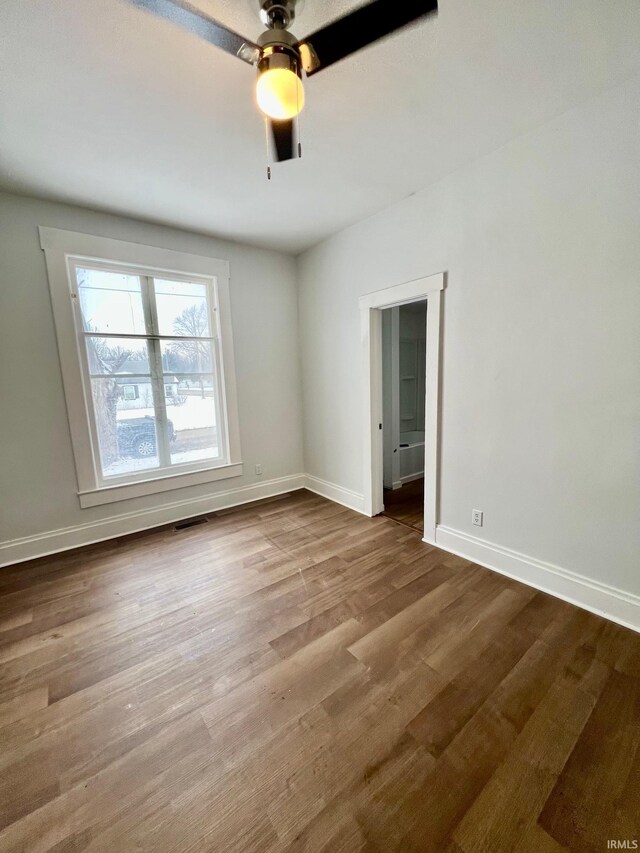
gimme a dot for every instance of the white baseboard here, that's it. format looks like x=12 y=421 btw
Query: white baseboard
x=614 y=604
x=335 y=493
x=409 y=478
x=42 y=544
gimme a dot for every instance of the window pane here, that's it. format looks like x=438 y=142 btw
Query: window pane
x=110 y=302
x=191 y=409
x=126 y=428
x=186 y=356
x=182 y=308
x=108 y=356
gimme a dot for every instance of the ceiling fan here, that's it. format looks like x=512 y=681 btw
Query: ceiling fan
x=280 y=58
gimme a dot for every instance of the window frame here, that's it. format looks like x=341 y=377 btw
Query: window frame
x=64 y=250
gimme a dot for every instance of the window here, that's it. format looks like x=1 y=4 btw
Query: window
x=130 y=392
x=154 y=357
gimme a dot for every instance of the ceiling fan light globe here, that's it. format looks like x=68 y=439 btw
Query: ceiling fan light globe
x=280 y=93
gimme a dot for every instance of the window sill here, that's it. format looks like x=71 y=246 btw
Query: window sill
x=111 y=494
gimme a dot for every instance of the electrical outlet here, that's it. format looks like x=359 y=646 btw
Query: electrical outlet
x=258 y=469
x=477 y=517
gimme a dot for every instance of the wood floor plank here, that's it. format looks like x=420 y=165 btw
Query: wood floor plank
x=23 y=705
x=535 y=840
x=516 y=793
x=444 y=797
x=440 y=721
x=293 y=676
x=40 y=824
x=16 y=620
x=584 y=801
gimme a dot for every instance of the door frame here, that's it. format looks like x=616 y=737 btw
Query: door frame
x=371 y=305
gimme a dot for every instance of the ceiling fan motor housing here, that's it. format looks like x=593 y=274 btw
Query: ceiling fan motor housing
x=278 y=14
x=279 y=50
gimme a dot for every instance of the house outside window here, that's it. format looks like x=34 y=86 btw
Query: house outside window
x=154 y=357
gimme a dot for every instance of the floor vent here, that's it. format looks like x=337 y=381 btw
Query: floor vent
x=191 y=522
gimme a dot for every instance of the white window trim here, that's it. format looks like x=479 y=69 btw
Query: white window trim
x=60 y=248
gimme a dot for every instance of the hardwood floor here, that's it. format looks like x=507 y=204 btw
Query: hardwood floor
x=406 y=505
x=295 y=677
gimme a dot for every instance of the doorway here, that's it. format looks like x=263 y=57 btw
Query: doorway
x=372 y=306
x=404 y=330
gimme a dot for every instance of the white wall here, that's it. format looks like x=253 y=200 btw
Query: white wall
x=541 y=338
x=37 y=472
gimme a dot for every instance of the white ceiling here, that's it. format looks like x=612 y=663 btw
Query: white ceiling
x=103 y=105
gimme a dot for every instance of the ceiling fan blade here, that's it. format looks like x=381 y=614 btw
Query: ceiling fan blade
x=283 y=139
x=197 y=22
x=359 y=29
